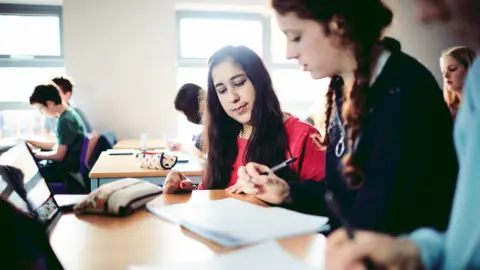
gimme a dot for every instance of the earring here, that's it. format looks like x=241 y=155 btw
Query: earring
x=333 y=26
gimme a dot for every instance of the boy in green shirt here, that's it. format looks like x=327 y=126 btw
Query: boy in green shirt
x=71 y=132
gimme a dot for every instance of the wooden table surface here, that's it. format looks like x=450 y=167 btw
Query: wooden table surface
x=136 y=144
x=120 y=166
x=97 y=242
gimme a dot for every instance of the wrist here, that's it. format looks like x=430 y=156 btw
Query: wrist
x=409 y=256
x=287 y=198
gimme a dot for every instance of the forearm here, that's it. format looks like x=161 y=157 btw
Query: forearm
x=46 y=145
x=50 y=155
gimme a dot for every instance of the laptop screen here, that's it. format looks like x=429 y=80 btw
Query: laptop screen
x=23 y=170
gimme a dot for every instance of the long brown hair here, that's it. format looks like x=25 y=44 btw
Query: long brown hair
x=268 y=143
x=465 y=57
x=362 y=23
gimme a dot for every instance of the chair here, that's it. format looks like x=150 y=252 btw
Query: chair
x=84 y=166
x=58 y=188
x=106 y=141
x=75 y=183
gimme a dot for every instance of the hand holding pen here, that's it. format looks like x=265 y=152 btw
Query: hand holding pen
x=261 y=181
x=349 y=230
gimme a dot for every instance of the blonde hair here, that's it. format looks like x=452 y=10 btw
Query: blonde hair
x=464 y=56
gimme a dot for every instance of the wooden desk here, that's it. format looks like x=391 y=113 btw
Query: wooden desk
x=110 y=168
x=96 y=242
x=136 y=144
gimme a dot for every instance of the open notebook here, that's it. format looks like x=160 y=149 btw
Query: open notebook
x=268 y=255
x=230 y=222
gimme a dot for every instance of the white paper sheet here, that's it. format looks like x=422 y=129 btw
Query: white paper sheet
x=230 y=222
x=268 y=255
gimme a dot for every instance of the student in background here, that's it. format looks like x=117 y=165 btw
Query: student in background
x=454 y=64
x=66 y=90
x=65 y=154
x=391 y=164
x=426 y=248
x=243 y=122
x=188 y=102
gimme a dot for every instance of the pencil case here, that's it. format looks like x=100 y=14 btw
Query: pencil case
x=157 y=160
x=118 y=198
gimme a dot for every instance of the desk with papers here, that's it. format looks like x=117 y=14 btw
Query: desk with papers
x=143 y=240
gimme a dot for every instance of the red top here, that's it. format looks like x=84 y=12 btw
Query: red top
x=302 y=147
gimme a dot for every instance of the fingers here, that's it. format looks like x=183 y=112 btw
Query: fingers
x=254 y=169
x=182 y=176
x=343 y=253
x=187 y=185
x=169 y=188
x=172 y=182
x=381 y=249
x=243 y=174
x=337 y=238
x=233 y=188
x=251 y=189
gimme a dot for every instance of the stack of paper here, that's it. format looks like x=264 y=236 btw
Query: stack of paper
x=264 y=256
x=231 y=222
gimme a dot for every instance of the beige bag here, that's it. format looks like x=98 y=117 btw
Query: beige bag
x=119 y=198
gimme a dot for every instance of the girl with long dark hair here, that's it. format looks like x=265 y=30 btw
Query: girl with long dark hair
x=243 y=122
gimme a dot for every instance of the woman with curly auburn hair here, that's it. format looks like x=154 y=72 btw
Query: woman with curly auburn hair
x=426 y=248
x=391 y=163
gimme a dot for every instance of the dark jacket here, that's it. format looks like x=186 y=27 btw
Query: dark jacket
x=405 y=150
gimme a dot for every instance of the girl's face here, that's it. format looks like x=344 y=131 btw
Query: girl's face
x=453 y=73
x=234 y=90
x=316 y=52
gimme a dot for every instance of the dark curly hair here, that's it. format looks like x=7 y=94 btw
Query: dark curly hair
x=362 y=24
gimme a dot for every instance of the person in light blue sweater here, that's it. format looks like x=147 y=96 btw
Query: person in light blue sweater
x=425 y=248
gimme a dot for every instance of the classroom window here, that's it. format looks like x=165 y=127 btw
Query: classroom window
x=201 y=37
x=278 y=42
x=21 y=123
x=202 y=33
x=28 y=35
x=296 y=90
x=30 y=54
x=17 y=83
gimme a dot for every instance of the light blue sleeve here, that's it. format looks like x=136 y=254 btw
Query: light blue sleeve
x=459 y=247
x=431 y=245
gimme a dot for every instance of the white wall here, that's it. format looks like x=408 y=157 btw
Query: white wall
x=424 y=42
x=122 y=57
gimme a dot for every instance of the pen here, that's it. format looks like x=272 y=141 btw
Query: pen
x=333 y=206
x=277 y=167
x=280 y=166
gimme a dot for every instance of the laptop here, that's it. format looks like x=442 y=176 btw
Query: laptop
x=23 y=175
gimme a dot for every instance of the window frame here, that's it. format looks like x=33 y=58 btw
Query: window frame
x=7 y=60
x=263 y=18
x=33 y=61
